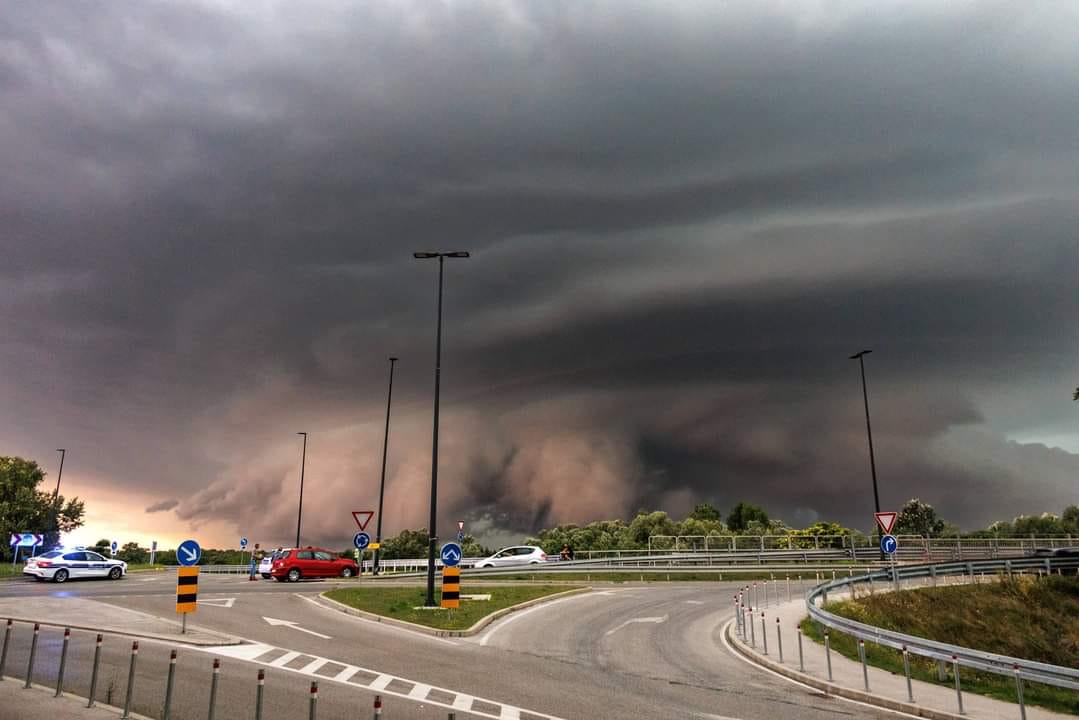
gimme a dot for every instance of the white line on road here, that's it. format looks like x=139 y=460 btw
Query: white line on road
x=698 y=602
x=521 y=613
x=294 y=626
x=419 y=691
x=381 y=682
x=284 y=659
x=312 y=667
x=386 y=626
x=510 y=713
x=656 y=620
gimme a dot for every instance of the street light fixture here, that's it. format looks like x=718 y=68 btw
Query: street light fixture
x=432 y=531
x=382 y=483
x=303 y=461
x=860 y=357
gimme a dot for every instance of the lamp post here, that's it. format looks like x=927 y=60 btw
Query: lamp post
x=382 y=482
x=56 y=495
x=860 y=357
x=303 y=461
x=430 y=601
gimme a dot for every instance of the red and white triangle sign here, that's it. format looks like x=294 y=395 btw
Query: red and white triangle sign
x=886 y=520
x=366 y=515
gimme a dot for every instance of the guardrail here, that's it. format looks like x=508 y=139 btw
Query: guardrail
x=990 y=662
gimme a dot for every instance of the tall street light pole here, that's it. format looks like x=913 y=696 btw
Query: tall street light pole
x=433 y=531
x=60 y=474
x=860 y=357
x=303 y=461
x=382 y=483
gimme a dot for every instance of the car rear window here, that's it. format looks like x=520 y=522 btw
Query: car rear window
x=51 y=554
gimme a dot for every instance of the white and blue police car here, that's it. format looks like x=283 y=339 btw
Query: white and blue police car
x=63 y=564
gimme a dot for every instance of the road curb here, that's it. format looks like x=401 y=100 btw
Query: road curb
x=838 y=690
x=480 y=624
x=80 y=700
x=160 y=637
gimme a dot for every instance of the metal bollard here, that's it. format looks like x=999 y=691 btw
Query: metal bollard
x=3 y=653
x=942 y=674
x=958 y=689
x=93 y=675
x=130 y=681
x=828 y=654
x=752 y=631
x=63 y=662
x=865 y=668
x=378 y=707
x=258 y=694
x=168 y=686
x=906 y=672
x=764 y=634
x=779 y=640
x=33 y=650
x=213 y=689
x=788 y=588
x=313 y=712
x=801 y=659
x=1019 y=694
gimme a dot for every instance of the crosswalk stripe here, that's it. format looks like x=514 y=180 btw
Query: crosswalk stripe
x=312 y=667
x=381 y=682
x=462 y=702
x=419 y=691
x=345 y=674
x=284 y=659
x=510 y=713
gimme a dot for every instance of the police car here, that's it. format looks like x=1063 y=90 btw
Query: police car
x=62 y=565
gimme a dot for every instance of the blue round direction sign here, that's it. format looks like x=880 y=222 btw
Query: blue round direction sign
x=451 y=554
x=243 y=542
x=189 y=553
x=361 y=540
x=888 y=544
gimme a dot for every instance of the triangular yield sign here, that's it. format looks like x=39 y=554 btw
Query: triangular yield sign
x=886 y=520
x=366 y=514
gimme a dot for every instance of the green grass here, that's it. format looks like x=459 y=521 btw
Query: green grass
x=400 y=603
x=1021 y=617
x=660 y=576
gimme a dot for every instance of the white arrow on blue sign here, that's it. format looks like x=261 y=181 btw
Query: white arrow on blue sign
x=451 y=554
x=361 y=540
x=189 y=553
x=889 y=544
x=243 y=542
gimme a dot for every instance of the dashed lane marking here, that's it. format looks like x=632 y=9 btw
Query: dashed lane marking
x=656 y=620
x=417 y=692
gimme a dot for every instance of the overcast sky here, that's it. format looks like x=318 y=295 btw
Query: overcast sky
x=684 y=217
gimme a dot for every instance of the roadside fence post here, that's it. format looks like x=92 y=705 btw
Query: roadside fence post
x=258 y=694
x=801 y=586
x=779 y=640
x=63 y=663
x=801 y=659
x=788 y=588
x=130 y=681
x=93 y=674
x=378 y=706
x=906 y=672
x=942 y=674
x=764 y=634
x=828 y=654
x=33 y=649
x=213 y=689
x=752 y=631
x=3 y=653
x=958 y=689
x=1019 y=694
x=313 y=712
x=168 y=686
x=865 y=668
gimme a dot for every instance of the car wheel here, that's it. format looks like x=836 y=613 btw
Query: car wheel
x=534 y=562
x=294 y=575
x=60 y=576
x=346 y=573
x=115 y=573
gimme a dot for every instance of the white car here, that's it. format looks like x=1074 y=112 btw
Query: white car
x=62 y=565
x=266 y=563
x=516 y=555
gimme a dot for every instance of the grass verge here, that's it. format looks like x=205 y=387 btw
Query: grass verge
x=809 y=579
x=1021 y=617
x=400 y=603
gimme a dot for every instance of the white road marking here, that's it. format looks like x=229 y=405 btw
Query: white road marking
x=521 y=613
x=218 y=602
x=656 y=620
x=417 y=693
x=294 y=626
x=697 y=602
x=284 y=659
x=387 y=626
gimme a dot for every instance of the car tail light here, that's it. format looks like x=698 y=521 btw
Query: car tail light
x=44 y=563
x=543 y=556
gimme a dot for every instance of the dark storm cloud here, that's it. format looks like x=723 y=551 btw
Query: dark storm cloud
x=683 y=220
x=163 y=506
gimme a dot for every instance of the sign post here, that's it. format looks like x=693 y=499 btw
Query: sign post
x=153 y=551
x=361 y=541
x=451 y=575
x=113 y=547
x=889 y=545
x=460 y=531
x=21 y=540
x=187 y=579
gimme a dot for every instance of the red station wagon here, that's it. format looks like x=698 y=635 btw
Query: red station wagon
x=292 y=564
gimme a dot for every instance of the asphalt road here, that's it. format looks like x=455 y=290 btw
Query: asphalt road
x=624 y=652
